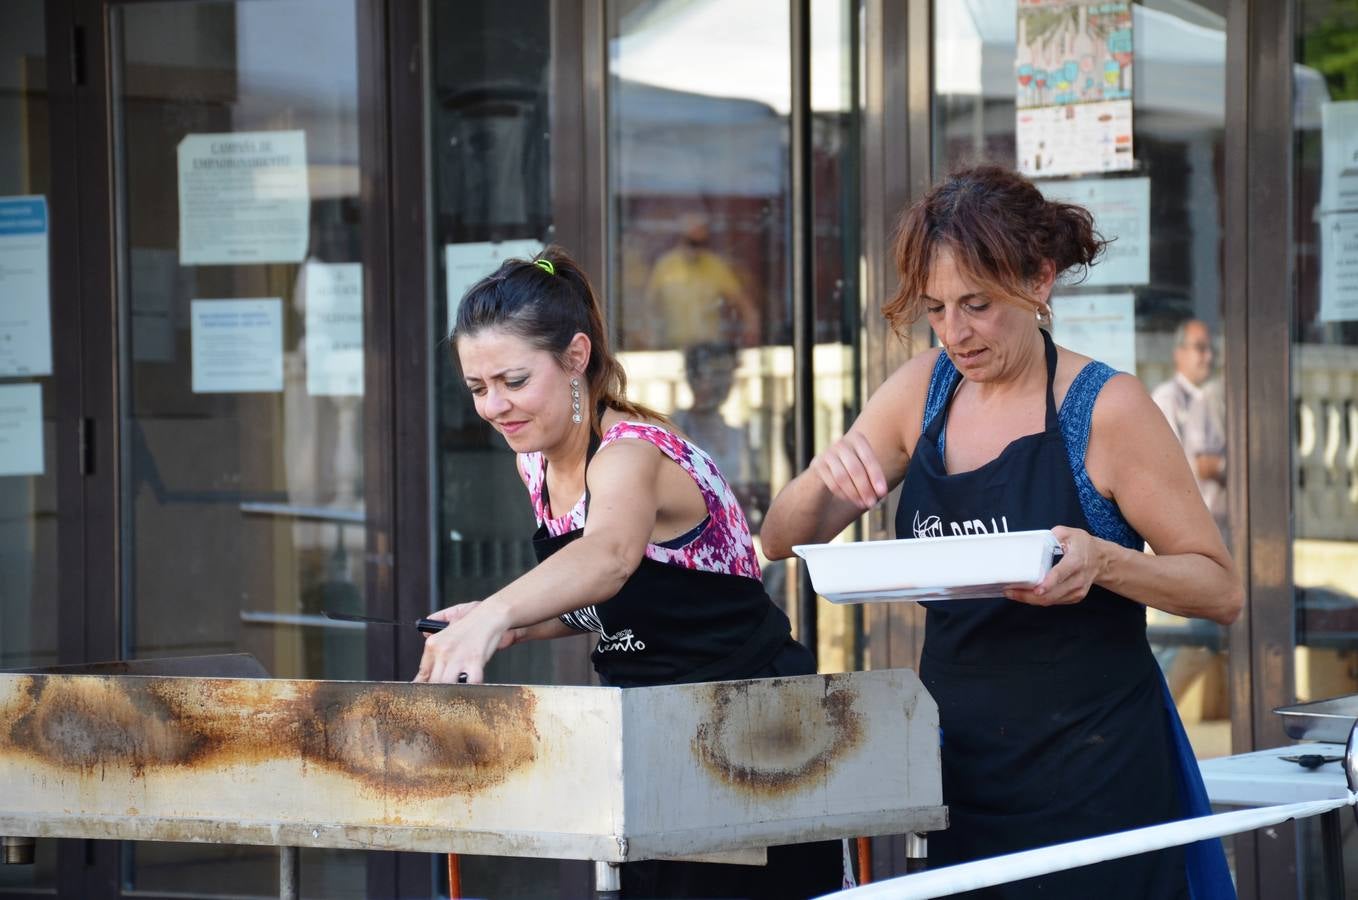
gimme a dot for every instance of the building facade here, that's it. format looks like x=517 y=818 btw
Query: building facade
x=233 y=233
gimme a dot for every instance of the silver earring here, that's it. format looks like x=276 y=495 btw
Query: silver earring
x=575 y=401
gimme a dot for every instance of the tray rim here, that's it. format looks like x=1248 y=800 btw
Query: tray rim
x=917 y=541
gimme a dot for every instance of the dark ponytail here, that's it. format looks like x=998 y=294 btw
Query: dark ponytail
x=1000 y=231
x=547 y=301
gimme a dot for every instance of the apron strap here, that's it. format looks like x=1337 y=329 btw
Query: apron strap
x=1050 y=347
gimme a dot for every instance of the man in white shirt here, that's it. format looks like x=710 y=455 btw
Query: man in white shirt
x=1195 y=410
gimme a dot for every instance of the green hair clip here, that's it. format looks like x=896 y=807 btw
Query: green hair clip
x=545 y=265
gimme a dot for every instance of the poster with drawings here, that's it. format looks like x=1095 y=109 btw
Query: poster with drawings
x=1073 y=87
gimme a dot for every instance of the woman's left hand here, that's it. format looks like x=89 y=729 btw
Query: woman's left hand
x=1082 y=563
x=458 y=654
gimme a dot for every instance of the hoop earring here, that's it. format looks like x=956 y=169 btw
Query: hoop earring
x=575 y=401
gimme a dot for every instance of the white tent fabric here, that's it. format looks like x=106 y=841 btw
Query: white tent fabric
x=739 y=48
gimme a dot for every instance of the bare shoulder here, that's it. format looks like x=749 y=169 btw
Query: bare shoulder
x=1131 y=446
x=1123 y=402
x=896 y=408
x=1069 y=364
x=905 y=388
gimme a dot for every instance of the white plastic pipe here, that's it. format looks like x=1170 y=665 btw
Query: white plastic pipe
x=1059 y=857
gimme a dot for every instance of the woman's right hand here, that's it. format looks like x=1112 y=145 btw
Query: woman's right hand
x=850 y=471
x=457 y=612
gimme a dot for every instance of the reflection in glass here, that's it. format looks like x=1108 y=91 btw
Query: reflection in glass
x=699 y=191
x=1157 y=297
x=237 y=166
x=698 y=187
x=1325 y=351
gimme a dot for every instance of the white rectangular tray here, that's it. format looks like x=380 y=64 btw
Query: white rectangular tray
x=961 y=567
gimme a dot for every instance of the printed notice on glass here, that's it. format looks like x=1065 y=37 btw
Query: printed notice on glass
x=1122 y=214
x=20 y=429
x=334 y=329
x=243 y=198
x=1073 y=87
x=1339 y=142
x=1074 y=140
x=1102 y=326
x=25 y=321
x=466 y=264
x=237 y=346
x=1339 y=267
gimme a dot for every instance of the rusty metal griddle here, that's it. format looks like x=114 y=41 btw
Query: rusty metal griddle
x=684 y=771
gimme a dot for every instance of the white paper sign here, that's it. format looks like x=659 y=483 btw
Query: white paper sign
x=334 y=329
x=243 y=198
x=237 y=346
x=1339 y=138
x=1102 y=326
x=1122 y=213
x=20 y=429
x=25 y=321
x=1339 y=267
x=467 y=264
x=1074 y=140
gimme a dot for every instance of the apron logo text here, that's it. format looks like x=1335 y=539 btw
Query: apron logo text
x=932 y=526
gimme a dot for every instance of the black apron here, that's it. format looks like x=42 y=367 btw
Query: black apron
x=697 y=627
x=1052 y=719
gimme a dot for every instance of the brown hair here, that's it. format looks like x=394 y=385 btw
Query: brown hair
x=548 y=304
x=999 y=229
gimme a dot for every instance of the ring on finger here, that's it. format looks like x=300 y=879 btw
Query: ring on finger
x=461 y=677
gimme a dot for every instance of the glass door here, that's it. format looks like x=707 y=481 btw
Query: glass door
x=1324 y=378
x=241 y=288
x=700 y=214
x=29 y=507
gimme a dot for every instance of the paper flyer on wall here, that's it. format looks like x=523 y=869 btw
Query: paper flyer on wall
x=1073 y=87
x=1101 y=326
x=237 y=346
x=1122 y=214
x=334 y=329
x=243 y=198
x=25 y=296
x=21 y=429
x=1339 y=267
x=1339 y=146
x=466 y=264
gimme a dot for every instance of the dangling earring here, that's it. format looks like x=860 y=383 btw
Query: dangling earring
x=575 y=401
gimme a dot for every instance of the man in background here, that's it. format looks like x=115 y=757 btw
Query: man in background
x=696 y=297
x=1196 y=411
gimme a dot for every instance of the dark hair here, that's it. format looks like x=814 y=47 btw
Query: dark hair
x=999 y=229
x=548 y=309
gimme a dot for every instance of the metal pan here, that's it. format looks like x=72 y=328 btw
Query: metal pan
x=1330 y=720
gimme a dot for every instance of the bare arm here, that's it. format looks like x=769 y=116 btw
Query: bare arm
x=622 y=514
x=1190 y=574
x=856 y=472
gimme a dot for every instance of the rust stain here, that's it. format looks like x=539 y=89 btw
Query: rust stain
x=87 y=723
x=394 y=740
x=768 y=742
x=408 y=742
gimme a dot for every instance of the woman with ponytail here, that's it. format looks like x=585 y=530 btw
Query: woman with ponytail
x=640 y=539
x=1056 y=722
